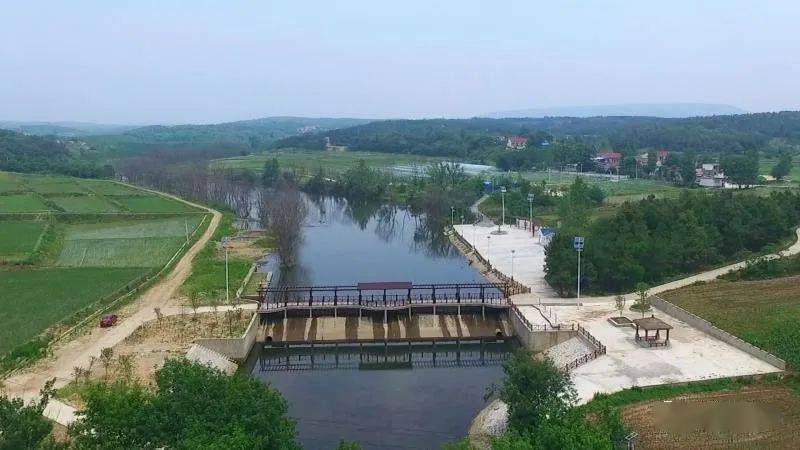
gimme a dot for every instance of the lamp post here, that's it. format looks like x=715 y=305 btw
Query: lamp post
x=452 y=213
x=503 y=197
x=512 y=264
x=462 y=219
x=530 y=204
x=488 y=239
x=578 y=245
x=226 y=241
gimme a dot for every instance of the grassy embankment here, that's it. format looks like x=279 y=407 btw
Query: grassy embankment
x=71 y=247
x=207 y=280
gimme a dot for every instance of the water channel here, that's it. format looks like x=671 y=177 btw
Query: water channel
x=380 y=396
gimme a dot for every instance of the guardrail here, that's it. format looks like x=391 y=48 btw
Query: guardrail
x=534 y=326
x=515 y=287
x=599 y=350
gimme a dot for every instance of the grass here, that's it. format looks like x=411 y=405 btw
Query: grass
x=21 y=203
x=18 y=239
x=764 y=313
x=208 y=269
x=58 y=188
x=84 y=204
x=309 y=161
x=33 y=300
x=153 y=204
x=136 y=228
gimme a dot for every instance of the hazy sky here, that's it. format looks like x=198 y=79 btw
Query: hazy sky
x=202 y=61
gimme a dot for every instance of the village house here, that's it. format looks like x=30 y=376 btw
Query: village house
x=709 y=175
x=608 y=161
x=517 y=143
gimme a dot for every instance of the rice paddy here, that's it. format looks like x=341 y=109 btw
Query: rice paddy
x=18 y=239
x=83 y=204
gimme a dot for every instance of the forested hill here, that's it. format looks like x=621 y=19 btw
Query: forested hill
x=251 y=133
x=455 y=137
x=24 y=153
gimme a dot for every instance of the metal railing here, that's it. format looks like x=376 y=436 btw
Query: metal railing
x=599 y=350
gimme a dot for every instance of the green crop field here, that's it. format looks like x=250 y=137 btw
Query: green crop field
x=18 y=239
x=85 y=204
x=33 y=300
x=138 y=243
x=764 y=313
x=134 y=252
x=86 y=256
x=310 y=161
x=8 y=183
x=58 y=188
x=21 y=203
x=111 y=189
x=153 y=204
x=765 y=166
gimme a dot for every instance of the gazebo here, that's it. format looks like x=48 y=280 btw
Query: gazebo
x=649 y=324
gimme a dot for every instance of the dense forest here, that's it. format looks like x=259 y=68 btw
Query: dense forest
x=656 y=239
x=23 y=153
x=473 y=138
x=252 y=133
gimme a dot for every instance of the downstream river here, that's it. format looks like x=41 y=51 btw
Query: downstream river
x=395 y=396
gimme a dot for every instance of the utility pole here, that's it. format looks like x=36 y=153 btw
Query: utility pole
x=530 y=203
x=503 y=197
x=578 y=245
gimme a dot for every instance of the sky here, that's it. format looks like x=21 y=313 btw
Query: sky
x=196 y=61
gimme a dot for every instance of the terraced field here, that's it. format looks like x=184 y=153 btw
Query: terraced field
x=96 y=240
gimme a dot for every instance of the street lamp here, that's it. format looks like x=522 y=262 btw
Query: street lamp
x=512 y=264
x=488 y=239
x=530 y=203
x=226 y=241
x=578 y=245
x=462 y=219
x=452 y=212
x=503 y=197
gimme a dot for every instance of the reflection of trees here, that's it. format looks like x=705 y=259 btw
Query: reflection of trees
x=429 y=236
x=362 y=211
x=386 y=223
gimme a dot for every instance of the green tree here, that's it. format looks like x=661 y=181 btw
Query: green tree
x=741 y=169
x=193 y=406
x=535 y=391
x=783 y=167
x=271 y=173
x=686 y=168
x=23 y=426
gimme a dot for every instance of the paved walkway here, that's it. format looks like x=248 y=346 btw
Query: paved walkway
x=27 y=383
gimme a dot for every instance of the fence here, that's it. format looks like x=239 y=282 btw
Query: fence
x=464 y=247
x=707 y=327
x=599 y=350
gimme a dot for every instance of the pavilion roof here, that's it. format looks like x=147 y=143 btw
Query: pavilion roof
x=652 y=323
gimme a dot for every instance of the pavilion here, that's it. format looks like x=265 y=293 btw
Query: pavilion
x=649 y=324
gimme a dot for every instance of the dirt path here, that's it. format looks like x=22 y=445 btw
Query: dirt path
x=78 y=352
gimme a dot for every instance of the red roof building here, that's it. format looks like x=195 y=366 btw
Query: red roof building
x=517 y=142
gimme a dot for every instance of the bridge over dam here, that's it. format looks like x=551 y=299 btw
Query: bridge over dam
x=396 y=312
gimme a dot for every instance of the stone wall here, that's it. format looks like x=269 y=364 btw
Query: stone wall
x=707 y=327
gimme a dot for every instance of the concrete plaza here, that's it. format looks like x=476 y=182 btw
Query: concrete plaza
x=691 y=356
x=527 y=264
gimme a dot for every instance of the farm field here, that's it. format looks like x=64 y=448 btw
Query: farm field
x=763 y=312
x=310 y=161
x=765 y=166
x=21 y=203
x=33 y=300
x=143 y=243
x=85 y=204
x=18 y=239
x=153 y=204
x=85 y=257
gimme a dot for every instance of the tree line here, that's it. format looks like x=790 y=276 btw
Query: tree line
x=653 y=240
x=43 y=154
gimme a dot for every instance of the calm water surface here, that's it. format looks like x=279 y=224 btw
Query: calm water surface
x=397 y=396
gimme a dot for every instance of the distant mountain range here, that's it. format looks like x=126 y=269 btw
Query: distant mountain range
x=63 y=129
x=667 y=110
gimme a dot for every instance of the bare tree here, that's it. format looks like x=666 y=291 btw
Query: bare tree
x=283 y=213
x=106 y=356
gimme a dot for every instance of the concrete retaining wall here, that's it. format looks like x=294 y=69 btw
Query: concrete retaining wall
x=236 y=349
x=536 y=340
x=208 y=357
x=707 y=327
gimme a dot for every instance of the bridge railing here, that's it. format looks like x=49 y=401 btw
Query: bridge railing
x=599 y=350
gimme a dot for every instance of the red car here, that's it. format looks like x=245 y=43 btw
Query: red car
x=108 y=321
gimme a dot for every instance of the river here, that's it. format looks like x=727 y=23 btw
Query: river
x=393 y=396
